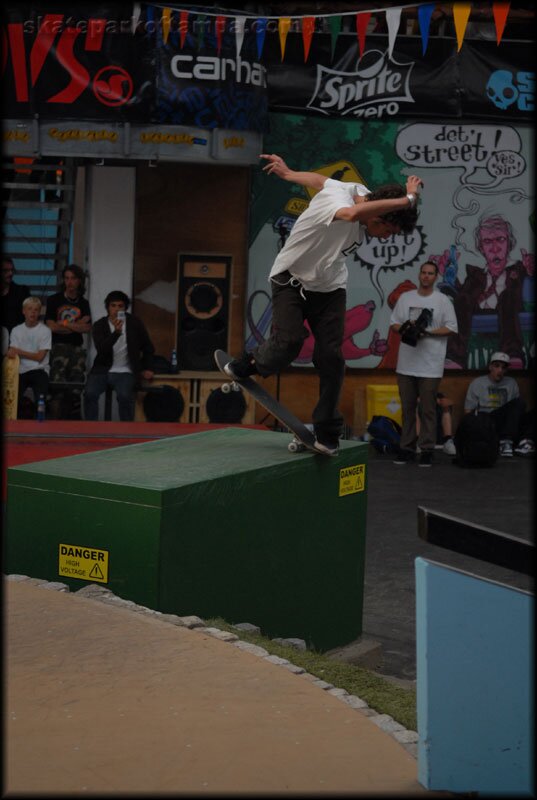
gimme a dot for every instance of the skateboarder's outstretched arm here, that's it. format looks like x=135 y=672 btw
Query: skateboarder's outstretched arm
x=277 y=166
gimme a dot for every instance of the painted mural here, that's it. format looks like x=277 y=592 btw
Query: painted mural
x=476 y=221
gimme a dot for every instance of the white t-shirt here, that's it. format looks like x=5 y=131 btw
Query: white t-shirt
x=32 y=340
x=121 y=358
x=426 y=360
x=314 y=252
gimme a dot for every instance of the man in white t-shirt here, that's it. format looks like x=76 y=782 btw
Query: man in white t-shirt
x=309 y=279
x=31 y=341
x=424 y=318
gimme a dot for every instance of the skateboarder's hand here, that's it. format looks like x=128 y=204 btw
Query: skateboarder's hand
x=276 y=165
x=414 y=184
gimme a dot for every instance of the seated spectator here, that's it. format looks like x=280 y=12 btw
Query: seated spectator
x=11 y=296
x=68 y=316
x=31 y=341
x=444 y=423
x=124 y=354
x=499 y=395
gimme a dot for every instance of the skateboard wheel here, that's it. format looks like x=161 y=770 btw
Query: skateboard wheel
x=226 y=388
x=292 y=447
x=235 y=386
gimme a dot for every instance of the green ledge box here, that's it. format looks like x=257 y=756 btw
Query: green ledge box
x=224 y=523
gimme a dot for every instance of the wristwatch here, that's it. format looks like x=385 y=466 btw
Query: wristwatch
x=412 y=199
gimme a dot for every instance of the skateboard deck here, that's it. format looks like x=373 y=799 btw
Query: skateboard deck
x=10 y=386
x=303 y=436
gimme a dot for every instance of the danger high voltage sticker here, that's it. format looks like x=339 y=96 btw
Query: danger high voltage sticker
x=84 y=563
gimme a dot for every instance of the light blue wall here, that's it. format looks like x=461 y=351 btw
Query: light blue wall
x=474 y=683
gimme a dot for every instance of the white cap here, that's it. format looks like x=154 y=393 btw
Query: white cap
x=503 y=357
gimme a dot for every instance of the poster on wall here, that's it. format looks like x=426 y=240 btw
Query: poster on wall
x=476 y=222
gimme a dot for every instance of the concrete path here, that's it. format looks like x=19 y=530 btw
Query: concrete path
x=101 y=699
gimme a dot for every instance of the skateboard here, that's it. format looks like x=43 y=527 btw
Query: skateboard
x=10 y=386
x=304 y=438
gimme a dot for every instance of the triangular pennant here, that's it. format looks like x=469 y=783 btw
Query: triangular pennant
x=239 y=32
x=461 y=13
x=335 y=29
x=284 y=23
x=501 y=12
x=362 y=21
x=136 y=11
x=261 y=29
x=393 y=20
x=308 y=28
x=183 y=26
x=166 y=21
x=424 y=18
x=219 y=28
x=199 y=24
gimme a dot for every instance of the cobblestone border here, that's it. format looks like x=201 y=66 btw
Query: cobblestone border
x=407 y=738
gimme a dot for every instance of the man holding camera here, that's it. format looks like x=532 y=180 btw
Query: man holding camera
x=424 y=318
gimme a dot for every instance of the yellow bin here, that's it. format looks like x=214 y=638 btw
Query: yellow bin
x=383 y=400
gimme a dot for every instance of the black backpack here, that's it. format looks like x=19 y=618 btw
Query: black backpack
x=476 y=440
x=385 y=434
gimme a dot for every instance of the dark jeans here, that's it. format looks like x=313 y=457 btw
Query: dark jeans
x=510 y=419
x=410 y=389
x=124 y=385
x=37 y=380
x=325 y=313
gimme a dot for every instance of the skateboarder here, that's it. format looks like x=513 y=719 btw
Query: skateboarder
x=309 y=278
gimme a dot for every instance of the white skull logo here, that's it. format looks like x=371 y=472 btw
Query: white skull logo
x=501 y=89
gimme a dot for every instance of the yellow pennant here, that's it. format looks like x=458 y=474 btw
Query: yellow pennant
x=461 y=13
x=166 y=23
x=284 y=23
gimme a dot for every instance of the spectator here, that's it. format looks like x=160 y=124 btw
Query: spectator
x=124 y=353
x=499 y=395
x=424 y=318
x=68 y=316
x=12 y=296
x=31 y=341
x=444 y=423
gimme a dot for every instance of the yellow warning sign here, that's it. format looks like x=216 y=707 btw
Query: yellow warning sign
x=339 y=171
x=296 y=205
x=84 y=563
x=351 y=480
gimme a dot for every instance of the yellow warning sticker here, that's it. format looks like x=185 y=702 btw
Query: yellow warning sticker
x=351 y=480
x=296 y=205
x=84 y=563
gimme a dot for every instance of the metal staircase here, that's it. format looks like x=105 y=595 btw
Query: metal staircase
x=37 y=212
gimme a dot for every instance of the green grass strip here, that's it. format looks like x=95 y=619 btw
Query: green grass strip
x=379 y=693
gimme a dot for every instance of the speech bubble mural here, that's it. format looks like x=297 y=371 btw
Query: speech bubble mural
x=394 y=252
x=454 y=145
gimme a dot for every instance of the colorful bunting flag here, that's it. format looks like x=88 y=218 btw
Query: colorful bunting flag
x=362 y=21
x=501 y=12
x=219 y=28
x=284 y=23
x=183 y=26
x=239 y=32
x=199 y=23
x=461 y=13
x=393 y=20
x=136 y=11
x=335 y=28
x=424 y=19
x=166 y=21
x=261 y=29
x=308 y=28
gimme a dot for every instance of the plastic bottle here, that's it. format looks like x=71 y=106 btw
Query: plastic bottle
x=174 y=360
x=41 y=408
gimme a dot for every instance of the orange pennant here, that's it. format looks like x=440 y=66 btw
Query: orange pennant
x=461 y=14
x=219 y=27
x=284 y=23
x=308 y=27
x=501 y=12
x=183 y=26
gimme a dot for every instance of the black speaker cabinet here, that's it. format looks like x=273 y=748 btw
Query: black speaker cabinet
x=204 y=286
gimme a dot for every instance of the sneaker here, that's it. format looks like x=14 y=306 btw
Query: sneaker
x=525 y=448
x=242 y=367
x=404 y=457
x=426 y=459
x=449 y=447
x=506 y=448
x=326 y=447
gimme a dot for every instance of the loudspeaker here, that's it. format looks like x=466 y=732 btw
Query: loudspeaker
x=203 y=284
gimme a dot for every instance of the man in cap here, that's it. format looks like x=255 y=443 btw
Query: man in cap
x=498 y=394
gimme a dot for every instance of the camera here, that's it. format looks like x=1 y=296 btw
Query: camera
x=411 y=332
